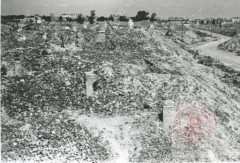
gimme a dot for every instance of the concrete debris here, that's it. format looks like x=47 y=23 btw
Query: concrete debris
x=25 y=127
x=130 y=24
x=23 y=38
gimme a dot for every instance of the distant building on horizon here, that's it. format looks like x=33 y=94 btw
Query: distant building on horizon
x=29 y=19
x=54 y=18
x=72 y=16
x=175 y=18
x=226 y=21
x=197 y=21
x=235 y=19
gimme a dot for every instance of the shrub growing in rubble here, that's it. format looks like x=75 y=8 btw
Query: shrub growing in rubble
x=153 y=17
x=92 y=16
x=80 y=19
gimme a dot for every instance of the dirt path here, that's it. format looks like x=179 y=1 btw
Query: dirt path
x=113 y=130
x=211 y=49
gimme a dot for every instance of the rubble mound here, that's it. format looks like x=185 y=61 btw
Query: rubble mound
x=49 y=136
x=135 y=79
x=187 y=36
x=232 y=45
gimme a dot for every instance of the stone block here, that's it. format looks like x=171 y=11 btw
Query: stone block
x=130 y=24
x=90 y=79
x=169 y=113
x=100 y=37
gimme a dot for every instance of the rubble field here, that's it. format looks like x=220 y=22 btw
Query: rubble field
x=47 y=116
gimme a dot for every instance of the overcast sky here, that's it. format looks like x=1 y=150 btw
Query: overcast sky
x=163 y=8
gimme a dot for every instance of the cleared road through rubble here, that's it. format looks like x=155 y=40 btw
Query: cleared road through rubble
x=211 y=49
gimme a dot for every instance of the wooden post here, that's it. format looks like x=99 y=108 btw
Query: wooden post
x=110 y=24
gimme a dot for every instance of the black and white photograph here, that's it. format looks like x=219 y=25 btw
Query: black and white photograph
x=120 y=81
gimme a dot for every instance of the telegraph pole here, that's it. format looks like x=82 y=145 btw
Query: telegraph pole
x=211 y=28
x=182 y=29
x=169 y=24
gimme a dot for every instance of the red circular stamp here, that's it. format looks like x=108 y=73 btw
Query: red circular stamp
x=193 y=127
